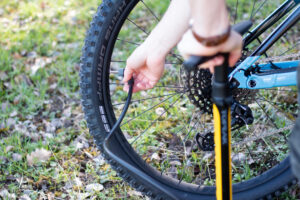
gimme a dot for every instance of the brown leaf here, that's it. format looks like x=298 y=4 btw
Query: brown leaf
x=17 y=56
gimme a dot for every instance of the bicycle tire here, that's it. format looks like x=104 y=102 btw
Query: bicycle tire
x=94 y=80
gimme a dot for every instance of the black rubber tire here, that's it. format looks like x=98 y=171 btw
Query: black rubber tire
x=99 y=115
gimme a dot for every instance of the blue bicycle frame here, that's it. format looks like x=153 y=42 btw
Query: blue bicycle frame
x=252 y=76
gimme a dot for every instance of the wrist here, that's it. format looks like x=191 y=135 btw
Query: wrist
x=162 y=41
x=212 y=40
x=157 y=45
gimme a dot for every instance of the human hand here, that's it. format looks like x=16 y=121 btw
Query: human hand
x=190 y=46
x=146 y=63
x=146 y=66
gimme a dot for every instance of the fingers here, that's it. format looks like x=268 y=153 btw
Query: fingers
x=234 y=57
x=145 y=68
x=141 y=82
x=136 y=60
x=128 y=73
x=213 y=62
x=190 y=46
x=234 y=46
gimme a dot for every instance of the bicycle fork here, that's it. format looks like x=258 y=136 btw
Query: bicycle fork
x=222 y=99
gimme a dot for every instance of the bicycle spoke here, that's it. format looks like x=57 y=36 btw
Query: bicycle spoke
x=148 y=110
x=288 y=50
x=278 y=90
x=119 y=61
x=189 y=124
x=249 y=151
x=116 y=83
x=253 y=6
x=276 y=107
x=236 y=9
x=258 y=137
x=150 y=98
x=138 y=26
x=159 y=148
x=151 y=11
x=173 y=63
x=267 y=114
x=156 y=86
x=191 y=129
x=177 y=56
x=261 y=5
x=123 y=61
x=169 y=86
x=137 y=44
x=184 y=169
x=155 y=121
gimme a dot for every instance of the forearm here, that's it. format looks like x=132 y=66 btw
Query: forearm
x=172 y=26
x=210 y=18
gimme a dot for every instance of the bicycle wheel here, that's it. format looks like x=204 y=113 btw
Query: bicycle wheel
x=158 y=134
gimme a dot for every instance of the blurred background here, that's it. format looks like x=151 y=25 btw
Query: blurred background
x=45 y=149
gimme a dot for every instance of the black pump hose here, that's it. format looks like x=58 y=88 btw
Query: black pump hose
x=125 y=108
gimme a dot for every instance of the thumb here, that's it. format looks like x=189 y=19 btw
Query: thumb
x=127 y=74
x=135 y=61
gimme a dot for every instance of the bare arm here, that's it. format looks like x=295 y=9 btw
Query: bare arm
x=146 y=63
x=210 y=19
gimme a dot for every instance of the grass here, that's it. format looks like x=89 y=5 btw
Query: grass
x=40 y=48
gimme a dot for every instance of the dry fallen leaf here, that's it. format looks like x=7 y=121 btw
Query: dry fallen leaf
x=6 y=195
x=155 y=156
x=16 y=157
x=94 y=187
x=40 y=62
x=39 y=155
